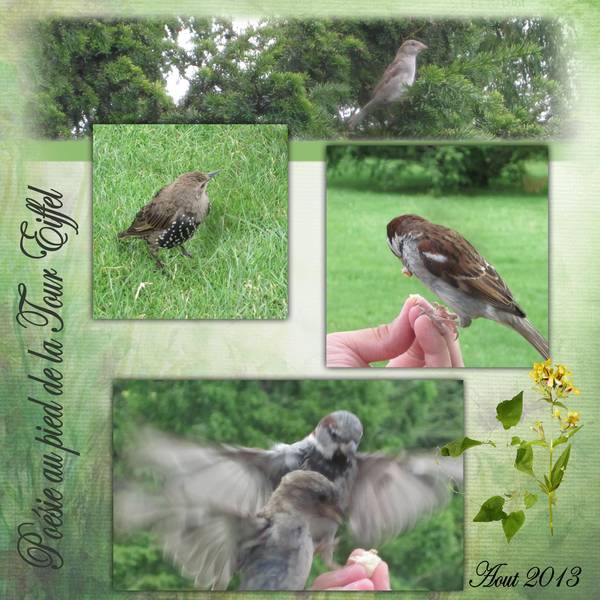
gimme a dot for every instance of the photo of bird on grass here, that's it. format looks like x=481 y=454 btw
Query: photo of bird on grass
x=257 y=517
x=190 y=221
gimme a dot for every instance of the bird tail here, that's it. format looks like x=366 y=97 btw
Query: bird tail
x=358 y=117
x=125 y=234
x=531 y=334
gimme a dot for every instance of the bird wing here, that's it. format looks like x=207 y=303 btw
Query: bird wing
x=241 y=479
x=394 y=69
x=204 y=541
x=468 y=271
x=151 y=217
x=391 y=493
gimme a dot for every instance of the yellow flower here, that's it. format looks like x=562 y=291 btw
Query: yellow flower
x=556 y=413
x=548 y=378
x=572 y=418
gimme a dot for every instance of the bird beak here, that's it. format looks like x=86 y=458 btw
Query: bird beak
x=350 y=448
x=213 y=174
x=335 y=513
x=424 y=47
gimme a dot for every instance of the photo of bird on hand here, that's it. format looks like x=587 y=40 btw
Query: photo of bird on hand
x=190 y=222
x=259 y=517
x=468 y=227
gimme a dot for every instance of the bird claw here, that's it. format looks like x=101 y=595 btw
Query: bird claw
x=185 y=252
x=443 y=320
x=406 y=272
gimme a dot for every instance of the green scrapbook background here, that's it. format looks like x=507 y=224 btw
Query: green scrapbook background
x=98 y=352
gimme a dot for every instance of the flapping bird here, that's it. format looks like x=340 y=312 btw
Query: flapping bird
x=396 y=79
x=173 y=215
x=270 y=550
x=452 y=269
x=382 y=495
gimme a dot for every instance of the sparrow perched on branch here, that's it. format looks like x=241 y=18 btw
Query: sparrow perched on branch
x=382 y=495
x=396 y=79
x=453 y=269
x=271 y=549
x=173 y=215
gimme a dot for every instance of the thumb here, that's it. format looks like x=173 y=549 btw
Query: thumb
x=360 y=348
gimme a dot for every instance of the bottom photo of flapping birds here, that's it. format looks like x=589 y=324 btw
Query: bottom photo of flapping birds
x=287 y=485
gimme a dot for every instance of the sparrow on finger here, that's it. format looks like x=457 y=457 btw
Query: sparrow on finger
x=453 y=269
x=270 y=550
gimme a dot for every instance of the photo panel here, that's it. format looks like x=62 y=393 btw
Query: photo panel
x=217 y=481
x=457 y=234
x=190 y=222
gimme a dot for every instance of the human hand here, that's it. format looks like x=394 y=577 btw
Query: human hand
x=354 y=576
x=411 y=340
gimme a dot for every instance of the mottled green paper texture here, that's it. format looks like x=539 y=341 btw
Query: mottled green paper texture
x=96 y=353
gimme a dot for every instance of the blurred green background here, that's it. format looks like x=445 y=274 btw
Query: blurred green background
x=239 y=263
x=395 y=415
x=495 y=196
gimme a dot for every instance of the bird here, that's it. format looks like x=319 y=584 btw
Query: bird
x=453 y=269
x=383 y=495
x=271 y=549
x=173 y=215
x=396 y=79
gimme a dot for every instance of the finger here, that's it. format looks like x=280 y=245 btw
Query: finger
x=454 y=349
x=381 y=577
x=340 y=577
x=355 y=552
x=414 y=357
x=360 y=348
x=361 y=584
x=433 y=343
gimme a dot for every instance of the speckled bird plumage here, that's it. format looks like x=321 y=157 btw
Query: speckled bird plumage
x=173 y=215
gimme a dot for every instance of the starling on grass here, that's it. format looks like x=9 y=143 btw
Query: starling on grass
x=173 y=215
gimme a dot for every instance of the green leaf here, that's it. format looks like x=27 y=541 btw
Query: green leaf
x=561 y=405
x=515 y=441
x=512 y=523
x=558 y=470
x=491 y=510
x=509 y=412
x=458 y=446
x=529 y=499
x=524 y=460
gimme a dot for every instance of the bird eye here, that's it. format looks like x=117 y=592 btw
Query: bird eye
x=322 y=498
x=333 y=434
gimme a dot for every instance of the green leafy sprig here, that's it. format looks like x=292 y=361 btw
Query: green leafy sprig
x=554 y=384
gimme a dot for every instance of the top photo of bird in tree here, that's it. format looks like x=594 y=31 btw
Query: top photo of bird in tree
x=323 y=78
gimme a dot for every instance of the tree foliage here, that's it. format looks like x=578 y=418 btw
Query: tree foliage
x=443 y=168
x=396 y=415
x=480 y=78
x=98 y=71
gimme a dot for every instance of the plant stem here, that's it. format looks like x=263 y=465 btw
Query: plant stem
x=550 y=494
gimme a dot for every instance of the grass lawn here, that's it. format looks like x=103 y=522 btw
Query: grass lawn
x=239 y=268
x=365 y=285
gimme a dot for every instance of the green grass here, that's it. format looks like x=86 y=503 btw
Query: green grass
x=239 y=268
x=365 y=285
